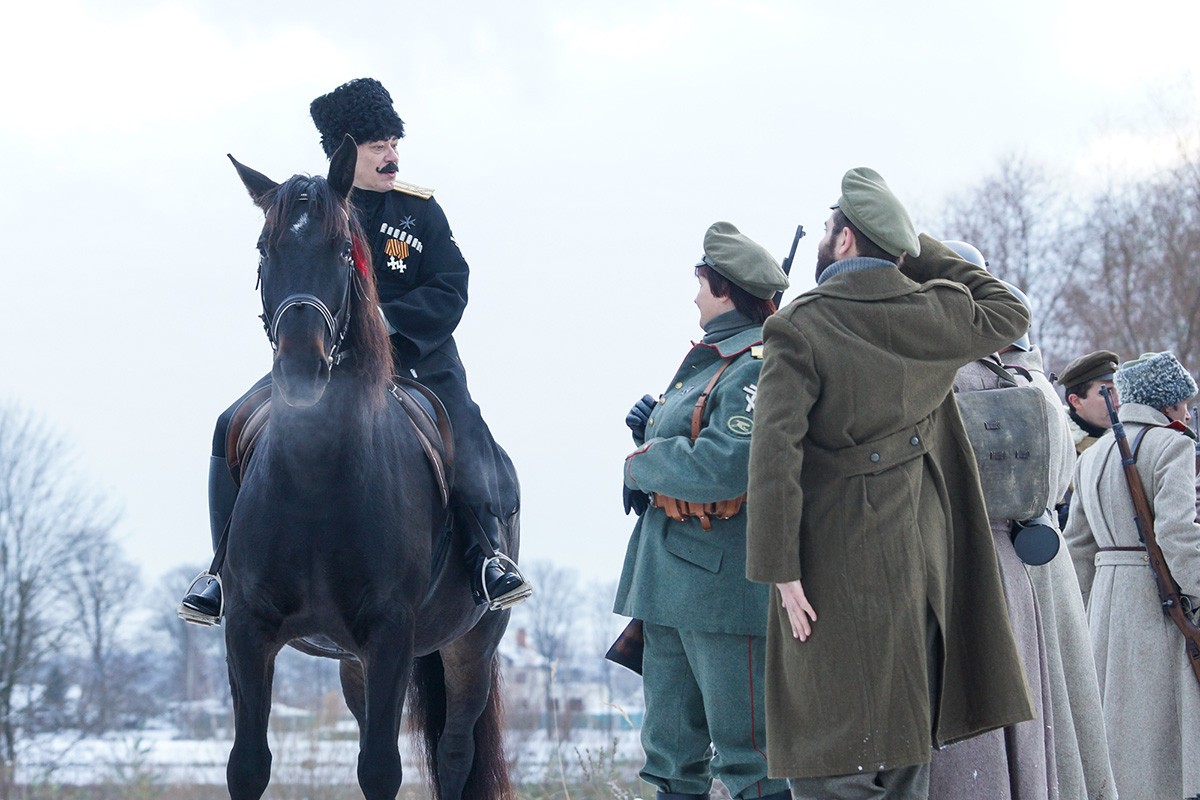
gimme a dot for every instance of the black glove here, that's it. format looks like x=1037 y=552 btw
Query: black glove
x=636 y=419
x=635 y=500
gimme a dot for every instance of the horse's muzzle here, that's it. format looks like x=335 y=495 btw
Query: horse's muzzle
x=301 y=373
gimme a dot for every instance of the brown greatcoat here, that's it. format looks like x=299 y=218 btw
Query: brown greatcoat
x=863 y=483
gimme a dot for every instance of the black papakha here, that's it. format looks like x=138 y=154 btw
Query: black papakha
x=361 y=108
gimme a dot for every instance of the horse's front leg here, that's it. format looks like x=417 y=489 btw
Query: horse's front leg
x=251 y=671
x=388 y=664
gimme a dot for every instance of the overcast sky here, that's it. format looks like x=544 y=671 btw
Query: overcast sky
x=579 y=151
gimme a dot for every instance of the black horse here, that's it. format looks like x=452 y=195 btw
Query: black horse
x=337 y=519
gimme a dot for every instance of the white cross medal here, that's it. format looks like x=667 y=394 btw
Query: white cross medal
x=751 y=392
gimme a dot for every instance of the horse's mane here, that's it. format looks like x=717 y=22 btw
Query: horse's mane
x=369 y=354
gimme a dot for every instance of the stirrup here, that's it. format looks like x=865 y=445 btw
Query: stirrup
x=189 y=614
x=507 y=600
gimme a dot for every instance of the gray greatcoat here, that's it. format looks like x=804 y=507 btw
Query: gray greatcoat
x=1080 y=742
x=863 y=484
x=676 y=573
x=1151 y=697
x=1016 y=762
x=705 y=623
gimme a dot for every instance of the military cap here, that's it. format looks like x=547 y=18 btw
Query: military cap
x=1157 y=380
x=1097 y=366
x=740 y=259
x=361 y=108
x=868 y=203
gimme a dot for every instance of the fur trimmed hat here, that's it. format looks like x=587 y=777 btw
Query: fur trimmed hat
x=1157 y=380
x=361 y=108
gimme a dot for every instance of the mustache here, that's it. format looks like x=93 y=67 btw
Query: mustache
x=389 y=168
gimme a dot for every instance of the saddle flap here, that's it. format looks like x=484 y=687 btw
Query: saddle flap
x=435 y=434
x=247 y=423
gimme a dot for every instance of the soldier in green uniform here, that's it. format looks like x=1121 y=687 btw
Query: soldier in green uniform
x=704 y=622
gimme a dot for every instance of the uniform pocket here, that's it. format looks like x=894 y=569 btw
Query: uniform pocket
x=703 y=555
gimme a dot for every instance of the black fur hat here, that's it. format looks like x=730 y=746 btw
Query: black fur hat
x=361 y=108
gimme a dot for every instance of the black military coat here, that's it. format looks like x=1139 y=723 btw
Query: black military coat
x=420 y=273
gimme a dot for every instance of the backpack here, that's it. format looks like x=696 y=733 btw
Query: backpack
x=1008 y=429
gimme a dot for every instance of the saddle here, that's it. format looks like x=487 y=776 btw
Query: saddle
x=422 y=407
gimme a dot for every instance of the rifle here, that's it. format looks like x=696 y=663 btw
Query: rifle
x=1196 y=432
x=1174 y=606
x=787 y=262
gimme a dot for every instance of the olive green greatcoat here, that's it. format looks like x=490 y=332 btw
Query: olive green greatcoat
x=863 y=484
x=676 y=573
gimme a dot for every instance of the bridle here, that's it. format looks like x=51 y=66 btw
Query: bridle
x=337 y=331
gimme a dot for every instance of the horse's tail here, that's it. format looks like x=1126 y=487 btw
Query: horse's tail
x=488 y=777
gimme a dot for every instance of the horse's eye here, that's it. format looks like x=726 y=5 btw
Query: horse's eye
x=347 y=251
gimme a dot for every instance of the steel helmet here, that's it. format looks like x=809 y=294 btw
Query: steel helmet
x=1022 y=343
x=967 y=251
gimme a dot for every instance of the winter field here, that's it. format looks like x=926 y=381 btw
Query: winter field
x=308 y=764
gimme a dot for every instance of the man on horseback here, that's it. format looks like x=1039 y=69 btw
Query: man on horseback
x=422 y=283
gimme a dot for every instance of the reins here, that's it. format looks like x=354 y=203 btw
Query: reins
x=337 y=333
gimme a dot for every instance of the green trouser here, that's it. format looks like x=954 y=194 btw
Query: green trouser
x=905 y=783
x=701 y=689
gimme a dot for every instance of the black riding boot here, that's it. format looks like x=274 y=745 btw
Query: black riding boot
x=495 y=580
x=205 y=605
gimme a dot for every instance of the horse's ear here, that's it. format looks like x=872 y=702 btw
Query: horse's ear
x=256 y=183
x=341 y=166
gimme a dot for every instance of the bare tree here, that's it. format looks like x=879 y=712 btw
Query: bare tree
x=551 y=617
x=1141 y=285
x=1021 y=219
x=100 y=588
x=194 y=662
x=41 y=508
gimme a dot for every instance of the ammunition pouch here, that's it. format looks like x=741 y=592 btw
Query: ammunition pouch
x=679 y=510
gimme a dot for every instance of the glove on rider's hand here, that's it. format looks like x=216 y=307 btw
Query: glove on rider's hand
x=635 y=500
x=636 y=419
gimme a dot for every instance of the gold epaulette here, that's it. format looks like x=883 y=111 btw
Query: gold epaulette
x=413 y=189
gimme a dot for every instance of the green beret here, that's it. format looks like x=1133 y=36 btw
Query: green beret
x=1097 y=366
x=740 y=259
x=868 y=203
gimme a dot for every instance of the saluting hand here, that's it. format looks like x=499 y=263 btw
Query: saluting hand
x=799 y=610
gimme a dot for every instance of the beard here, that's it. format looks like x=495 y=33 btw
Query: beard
x=824 y=256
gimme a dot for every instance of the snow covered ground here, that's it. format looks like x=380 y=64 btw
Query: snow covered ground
x=300 y=757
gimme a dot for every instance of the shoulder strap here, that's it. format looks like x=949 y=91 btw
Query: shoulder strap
x=413 y=189
x=702 y=400
x=1000 y=371
x=1137 y=441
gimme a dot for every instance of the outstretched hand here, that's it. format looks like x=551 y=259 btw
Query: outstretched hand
x=799 y=610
